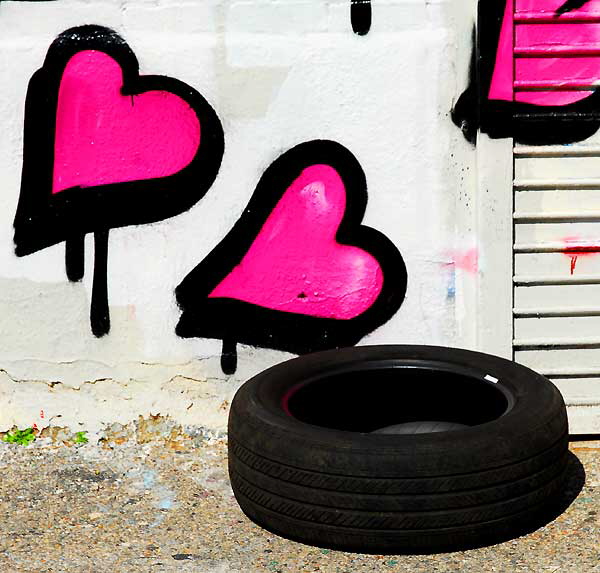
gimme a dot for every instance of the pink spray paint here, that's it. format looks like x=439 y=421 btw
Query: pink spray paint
x=538 y=37
x=465 y=260
x=105 y=137
x=295 y=264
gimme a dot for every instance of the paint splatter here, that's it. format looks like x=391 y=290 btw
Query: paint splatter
x=229 y=357
x=569 y=6
x=583 y=249
x=573 y=263
x=361 y=16
x=465 y=260
x=451 y=289
x=576 y=248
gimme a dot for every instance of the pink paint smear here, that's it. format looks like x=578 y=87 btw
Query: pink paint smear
x=295 y=263
x=104 y=137
x=465 y=260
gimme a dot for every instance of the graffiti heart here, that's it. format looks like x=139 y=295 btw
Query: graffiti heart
x=105 y=147
x=298 y=272
x=536 y=76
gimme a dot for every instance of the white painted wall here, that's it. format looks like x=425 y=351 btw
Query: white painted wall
x=277 y=72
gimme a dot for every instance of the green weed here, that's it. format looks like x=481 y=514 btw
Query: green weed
x=80 y=437
x=21 y=437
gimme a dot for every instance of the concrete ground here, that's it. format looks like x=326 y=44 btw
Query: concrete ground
x=167 y=506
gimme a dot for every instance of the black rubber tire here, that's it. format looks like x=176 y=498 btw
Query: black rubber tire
x=383 y=493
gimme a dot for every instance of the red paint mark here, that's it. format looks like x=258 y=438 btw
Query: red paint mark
x=576 y=248
x=465 y=260
x=42 y=414
x=35 y=427
x=583 y=249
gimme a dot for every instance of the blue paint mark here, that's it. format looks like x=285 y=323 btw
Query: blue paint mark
x=451 y=289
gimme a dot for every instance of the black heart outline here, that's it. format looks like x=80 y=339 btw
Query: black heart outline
x=237 y=321
x=44 y=218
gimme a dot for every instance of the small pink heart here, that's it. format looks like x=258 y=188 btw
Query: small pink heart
x=296 y=265
x=105 y=137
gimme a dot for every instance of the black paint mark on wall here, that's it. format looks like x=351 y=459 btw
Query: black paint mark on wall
x=465 y=113
x=569 y=6
x=229 y=356
x=258 y=287
x=99 y=313
x=49 y=213
x=361 y=16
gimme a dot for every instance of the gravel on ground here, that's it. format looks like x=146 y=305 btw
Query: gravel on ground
x=167 y=506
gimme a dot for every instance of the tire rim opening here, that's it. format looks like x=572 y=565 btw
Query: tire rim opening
x=397 y=400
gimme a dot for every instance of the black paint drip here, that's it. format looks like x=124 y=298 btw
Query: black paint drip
x=99 y=314
x=465 y=114
x=360 y=16
x=75 y=257
x=569 y=6
x=229 y=356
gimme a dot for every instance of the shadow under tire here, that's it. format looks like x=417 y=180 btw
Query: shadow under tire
x=397 y=448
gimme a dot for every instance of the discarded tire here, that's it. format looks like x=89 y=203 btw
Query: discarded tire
x=397 y=448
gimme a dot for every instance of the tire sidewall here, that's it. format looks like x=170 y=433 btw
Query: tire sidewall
x=533 y=422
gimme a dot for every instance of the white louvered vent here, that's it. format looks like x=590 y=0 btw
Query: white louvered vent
x=556 y=212
x=556 y=261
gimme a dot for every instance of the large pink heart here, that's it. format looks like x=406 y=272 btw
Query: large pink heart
x=105 y=137
x=295 y=264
